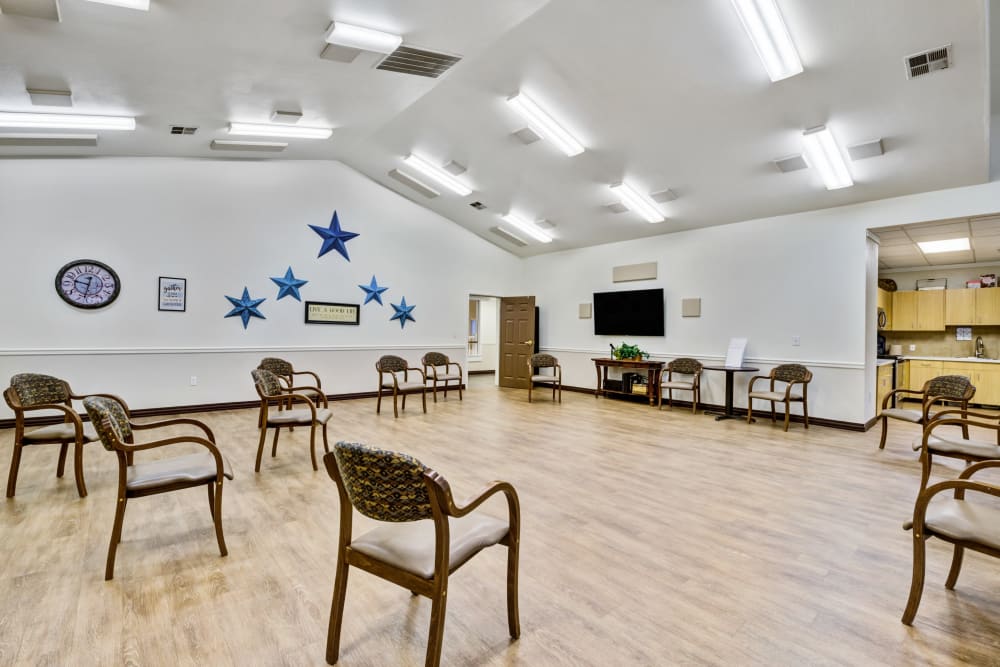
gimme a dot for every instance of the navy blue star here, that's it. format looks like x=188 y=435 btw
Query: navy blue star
x=245 y=307
x=402 y=313
x=373 y=292
x=334 y=237
x=289 y=285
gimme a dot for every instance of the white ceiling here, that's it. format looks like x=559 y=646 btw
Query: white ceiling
x=665 y=95
x=898 y=245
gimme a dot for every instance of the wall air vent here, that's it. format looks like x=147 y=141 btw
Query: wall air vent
x=507 y=236
x=928 y=61
x=410 y=60
x=180 y=129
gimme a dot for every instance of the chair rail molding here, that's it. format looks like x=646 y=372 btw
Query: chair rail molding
x=767 y=361
x=69 y=351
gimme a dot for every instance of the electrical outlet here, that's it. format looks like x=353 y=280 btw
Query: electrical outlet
x=913 y=348
x=796 y=341
x=194 y=380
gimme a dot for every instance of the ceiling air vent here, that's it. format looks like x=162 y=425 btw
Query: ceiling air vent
x=180 y=129
x=928 y=61
x=409 y=60
x=478 y=205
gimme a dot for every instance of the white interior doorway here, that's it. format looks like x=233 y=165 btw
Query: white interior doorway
x=483 y=352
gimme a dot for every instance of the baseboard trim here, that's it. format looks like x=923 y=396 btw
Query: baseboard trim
x=482 y=372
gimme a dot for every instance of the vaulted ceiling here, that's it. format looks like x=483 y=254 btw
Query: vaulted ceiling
x=662 y=94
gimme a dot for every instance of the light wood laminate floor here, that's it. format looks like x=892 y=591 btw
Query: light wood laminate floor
x=649 y=538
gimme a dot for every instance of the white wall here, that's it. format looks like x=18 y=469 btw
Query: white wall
x=223 y=225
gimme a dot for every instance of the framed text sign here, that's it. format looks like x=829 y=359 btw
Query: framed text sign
x=320 y=312
x=173 y=294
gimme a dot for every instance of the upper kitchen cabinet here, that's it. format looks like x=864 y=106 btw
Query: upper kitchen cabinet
x=918 y=310
x=987 y=305
x=960 y=307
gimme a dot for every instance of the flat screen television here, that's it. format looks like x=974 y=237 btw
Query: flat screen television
x=631 y=313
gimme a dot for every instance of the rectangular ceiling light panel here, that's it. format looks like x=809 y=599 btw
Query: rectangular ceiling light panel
x=413 y=183
x=366 y=39
x=638 y=203
x=544 y=125
x=945 y=245
x=46 y=139
x=767 y=30
x=264 y=146
x=824 y=155
x=529 y=228
x=436 y=173
x=64 y=121
x=264 y=130
x=128 y=4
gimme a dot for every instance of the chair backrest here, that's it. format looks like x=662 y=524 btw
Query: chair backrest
x=685 y=366
x=791 y=373
x=33 y=389
x=955 y=387
x=110 y=420
x=383 y=485
x=435 y=359
x=267 y=383
x=542 y=360
x=391 y=364
x=276 y=366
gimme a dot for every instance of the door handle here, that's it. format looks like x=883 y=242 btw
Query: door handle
x=528 y=342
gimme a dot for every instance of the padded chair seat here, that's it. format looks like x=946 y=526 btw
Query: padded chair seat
x=544 y=378
x=191 y=468
x=300 y=416
x=453 y=376
x=906 y=415
x=60 y=432
x=961 y=520
x=410 y=546
x=677 y=384
x=774 y=396
x=406 y=386
x=979 y=448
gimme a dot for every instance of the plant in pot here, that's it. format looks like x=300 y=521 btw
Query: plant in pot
x=630 y=352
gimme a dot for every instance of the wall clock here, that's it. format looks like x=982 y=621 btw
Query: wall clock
x=86 y=283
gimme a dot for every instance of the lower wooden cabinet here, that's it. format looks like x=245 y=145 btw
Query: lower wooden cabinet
x=984 y=376
x=883 y=385
x=922 y=370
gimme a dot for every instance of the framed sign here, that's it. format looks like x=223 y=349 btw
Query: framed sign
x=320 y=312
x=173 y=294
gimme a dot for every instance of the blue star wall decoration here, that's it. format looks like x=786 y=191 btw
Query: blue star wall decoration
x=289 y=285
x=334 y=237
x=402 y=313
x=245 y=307
x=373 y=292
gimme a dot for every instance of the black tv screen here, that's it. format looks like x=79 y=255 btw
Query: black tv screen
x=632 y=313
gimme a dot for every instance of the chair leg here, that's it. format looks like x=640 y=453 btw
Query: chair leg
x=61 y=466
x=917 y=583
x=956 y=567
x=260 y=448
x=274 y=443
x=773 y=417
x=81 y=486
x=395 y=407
x=659 y=399
x=885 y=422
x=670 y=398
x=15 y=463
x=435 y=390
x=788 y=408
x=925 y=469
x=513 y=618
x=326 y=443
x=530 y=383
x=211 y=499
x=805 y=413
x=312 y=445
x=116 y=535
x=436 y=638
x=459 y=390
x=404 y=402
x=336 y=612
x=423 y=398
x=749 y=409
x=217 y=519
x=553 y=392
x=694 y=402
x=378 y=403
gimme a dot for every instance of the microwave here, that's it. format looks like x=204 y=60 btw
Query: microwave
x=882 y=318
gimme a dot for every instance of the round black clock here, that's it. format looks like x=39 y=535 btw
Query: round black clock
x=86 y=283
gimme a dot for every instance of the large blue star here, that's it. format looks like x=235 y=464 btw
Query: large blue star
x=373 y=292
x=245 y=307
x=289 y=285
x=402 y=313
x=334 y=237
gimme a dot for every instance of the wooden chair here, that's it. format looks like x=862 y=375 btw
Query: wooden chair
x=536 y=363
x=30 y=392
x=427 y=535
x=161 y=476
x=286 y=373
x=273 y=393
x=956 y=388
x=946 y=445
x=433 y=362
x=967 y=525
x=790 y=375
x=682 y=366
x=392 y=366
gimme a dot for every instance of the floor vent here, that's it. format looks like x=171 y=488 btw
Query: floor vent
x=409 y=60
x=928 y=61
x=180 y=129
x=507 y=236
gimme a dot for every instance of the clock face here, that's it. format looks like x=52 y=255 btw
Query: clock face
x=86 y=283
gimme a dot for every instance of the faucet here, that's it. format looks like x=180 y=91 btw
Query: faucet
x=980 y=348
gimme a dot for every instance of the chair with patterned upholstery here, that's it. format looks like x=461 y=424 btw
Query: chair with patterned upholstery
x=683 y=366
x=273 y=393
x=536 y=364
x=204 y=468
x=29 y=392
x=426 y=535
x=394 y=378
x=438 y=368
x=963 y=523
x=947 y=445
x=789 y=375
x=955 y=388
x=286 y=373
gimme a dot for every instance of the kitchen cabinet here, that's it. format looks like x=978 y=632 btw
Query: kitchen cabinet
x=883 y=385
x=902 y=374
x=960 y=307
x=985 y=377
x=987 y=305
x=922 y=370
x=885 y=305
x=915 y=310
x=904 y=310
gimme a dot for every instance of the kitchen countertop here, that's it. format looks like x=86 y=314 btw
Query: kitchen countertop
x=972 y=360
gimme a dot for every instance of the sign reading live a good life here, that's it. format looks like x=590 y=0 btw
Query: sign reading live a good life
x=319 y=312
x=734 y=355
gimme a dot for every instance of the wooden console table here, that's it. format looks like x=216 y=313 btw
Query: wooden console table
x=652 y=368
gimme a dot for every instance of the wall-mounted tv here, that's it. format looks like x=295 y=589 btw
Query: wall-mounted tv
x=631 y=313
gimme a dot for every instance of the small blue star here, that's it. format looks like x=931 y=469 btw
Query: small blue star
x=289 y=285
x=402 y=313
x=373 y=292
x=334 y=237
x=245 y=307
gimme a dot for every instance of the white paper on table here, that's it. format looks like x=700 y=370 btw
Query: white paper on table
x=734 y=355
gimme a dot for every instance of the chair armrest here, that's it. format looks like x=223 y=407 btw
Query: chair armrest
x=72 y=416
x=174 y=422
x=315 y=377
x=959 y=485
x=406 y=372
x=120 y=400
x=433 y=373
x=455 y=364
x=302 y=398
x=965 y=414
x=210 y=446
x=490 y=490
x=754 y=379
x=976 y=467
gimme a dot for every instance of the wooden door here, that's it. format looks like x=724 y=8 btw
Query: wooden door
x=987 y=305
x=904 y=310
x=930 y=310
x=959 y=307
x=517 y=339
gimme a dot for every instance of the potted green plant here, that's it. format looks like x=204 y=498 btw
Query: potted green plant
x=630 y=352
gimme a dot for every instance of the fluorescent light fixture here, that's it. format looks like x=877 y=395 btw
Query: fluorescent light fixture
x=769 y=34
x=366 y=39
x=544 y=125
x=267 y=146
x=64 y=121
x=638 y=203
x=529 y=228
x=823 y=153
x=128 y=4
x=946 y=245
x=264 y=130
x=438 y=174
